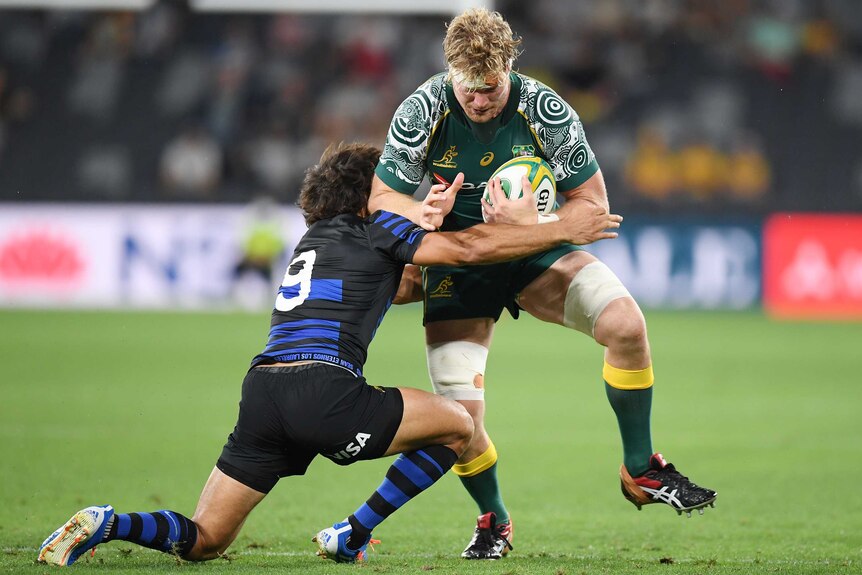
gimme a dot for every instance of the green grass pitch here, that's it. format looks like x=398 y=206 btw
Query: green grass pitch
x=132 y=409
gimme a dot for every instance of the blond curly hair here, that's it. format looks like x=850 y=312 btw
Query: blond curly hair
x=480 y=43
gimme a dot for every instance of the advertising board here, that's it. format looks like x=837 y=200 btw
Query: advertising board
x=184 y=257
x=813 y=265
x=136 y=256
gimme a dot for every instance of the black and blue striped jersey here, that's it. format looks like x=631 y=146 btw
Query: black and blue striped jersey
x=342 y=278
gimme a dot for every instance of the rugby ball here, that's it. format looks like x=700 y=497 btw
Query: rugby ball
x=538 y=173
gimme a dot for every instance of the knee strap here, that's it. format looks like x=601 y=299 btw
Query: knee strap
x=589 y=293
x=457 y=369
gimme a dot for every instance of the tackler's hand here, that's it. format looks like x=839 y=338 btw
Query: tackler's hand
x=590 y=223
x=438 y=203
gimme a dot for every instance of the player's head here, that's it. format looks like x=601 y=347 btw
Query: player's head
x=340 y=183
x=480 y=49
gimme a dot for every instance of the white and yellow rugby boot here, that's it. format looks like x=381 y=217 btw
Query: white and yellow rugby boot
x=78 y=535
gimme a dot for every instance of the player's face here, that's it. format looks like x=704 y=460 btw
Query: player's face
x=484 y=103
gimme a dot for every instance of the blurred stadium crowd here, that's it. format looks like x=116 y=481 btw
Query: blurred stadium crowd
x=701 y=106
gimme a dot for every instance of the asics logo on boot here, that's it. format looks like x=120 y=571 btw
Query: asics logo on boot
x=663 y=495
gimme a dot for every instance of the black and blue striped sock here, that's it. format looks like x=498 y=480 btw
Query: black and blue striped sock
x=166 y=531
x=411 y=474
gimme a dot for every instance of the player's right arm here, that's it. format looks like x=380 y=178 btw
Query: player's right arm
x=401 y=168
x=385 y=198
x=429 y=213
x=491 y=243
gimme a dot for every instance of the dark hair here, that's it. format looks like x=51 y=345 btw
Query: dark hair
x=340 y=183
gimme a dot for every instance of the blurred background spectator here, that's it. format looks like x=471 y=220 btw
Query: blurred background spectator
x=260 y=253
x=191 y=165
x=716 y=107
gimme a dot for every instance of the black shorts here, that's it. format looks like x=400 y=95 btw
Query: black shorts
x=288 y=415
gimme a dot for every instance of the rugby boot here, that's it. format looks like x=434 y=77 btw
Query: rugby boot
x=490 y=541
x=332 y=544
x=78 y=535
x=662 y=483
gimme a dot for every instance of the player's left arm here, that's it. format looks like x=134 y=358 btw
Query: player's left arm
x=579 y=178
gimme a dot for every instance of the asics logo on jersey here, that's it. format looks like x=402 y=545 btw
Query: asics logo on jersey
x=353 y=448
x=448 y=159
x=443 y=289
x=486 y=159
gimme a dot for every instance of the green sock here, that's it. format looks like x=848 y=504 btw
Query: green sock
x=485 y=491
x=632 y=407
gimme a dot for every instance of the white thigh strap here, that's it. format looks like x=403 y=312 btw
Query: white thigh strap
x=591 y=290
x=457 y=369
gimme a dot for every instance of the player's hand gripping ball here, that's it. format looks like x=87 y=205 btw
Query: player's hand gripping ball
x=538 y=173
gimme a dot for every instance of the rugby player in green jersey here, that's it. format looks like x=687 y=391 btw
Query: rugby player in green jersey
x=471 y=119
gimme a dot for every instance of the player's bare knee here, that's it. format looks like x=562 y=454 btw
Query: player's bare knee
x=463 y=431
x=622 y=326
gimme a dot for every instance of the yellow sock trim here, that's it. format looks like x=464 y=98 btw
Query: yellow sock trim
x=478 y=465
x=627 y=378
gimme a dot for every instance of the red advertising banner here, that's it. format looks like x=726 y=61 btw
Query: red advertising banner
x=812 y=265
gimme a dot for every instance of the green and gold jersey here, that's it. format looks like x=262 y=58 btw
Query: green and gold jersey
x=430 y=135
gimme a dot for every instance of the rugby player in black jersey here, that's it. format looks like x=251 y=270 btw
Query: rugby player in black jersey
x=305 y=393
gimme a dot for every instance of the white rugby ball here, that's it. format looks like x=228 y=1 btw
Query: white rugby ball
x=538 y=173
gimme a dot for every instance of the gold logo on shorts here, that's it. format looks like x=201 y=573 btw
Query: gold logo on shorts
x=448 y=159
x=443 y=289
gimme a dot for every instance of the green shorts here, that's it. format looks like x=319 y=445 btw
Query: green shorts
x=483 y=291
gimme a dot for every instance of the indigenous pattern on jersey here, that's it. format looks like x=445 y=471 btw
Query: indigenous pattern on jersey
x=430 y=134
x=341 y=281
